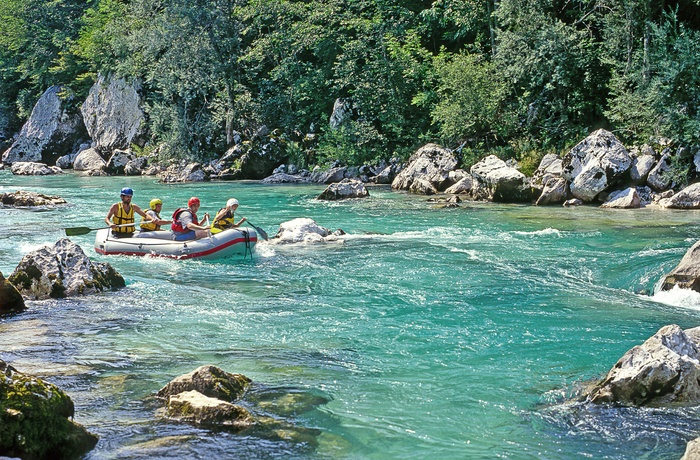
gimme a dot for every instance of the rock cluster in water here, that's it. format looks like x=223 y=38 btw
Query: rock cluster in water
x=29 y=199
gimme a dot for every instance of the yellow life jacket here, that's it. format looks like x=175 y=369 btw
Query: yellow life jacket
x=149 y=226
x=227 y=221
x=122 y=217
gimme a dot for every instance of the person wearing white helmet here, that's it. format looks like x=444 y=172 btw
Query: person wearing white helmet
x=153 y=214
x=225 y=219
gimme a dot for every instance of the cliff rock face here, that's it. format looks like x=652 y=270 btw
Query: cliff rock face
x=53 y=130
x=112 y=114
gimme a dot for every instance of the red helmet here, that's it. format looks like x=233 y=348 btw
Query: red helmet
x=193 y=200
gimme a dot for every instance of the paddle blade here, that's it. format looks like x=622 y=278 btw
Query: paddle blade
x=261 y=232
x=75 y=231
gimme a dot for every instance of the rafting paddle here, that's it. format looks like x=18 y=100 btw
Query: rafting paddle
x=260 y=231
x=75 y=231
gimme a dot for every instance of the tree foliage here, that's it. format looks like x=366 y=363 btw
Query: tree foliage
x=504 y=75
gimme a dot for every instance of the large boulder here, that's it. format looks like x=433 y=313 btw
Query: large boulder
x=642 y=165
x=328 y=176
x=118 y=160
x=555 y=191
x=623 y=199
x=663 y=370
x=504 y=183
x=10 y=298
x=192 y=172
x=29 y=199
x=551 y=166
x=210 y=381
x=686 y=275
x=54 y=129
x=28 y=168
x=36 y=419
x=688 y=198
x=61 y=271
x=89 y=160
x=112 y=114
x=254 y=159
x=303 y=230
x=463 y=186
x=595 y=163
x=659 y=178
x=692 y=450
x=430 y=165
x=346 y=188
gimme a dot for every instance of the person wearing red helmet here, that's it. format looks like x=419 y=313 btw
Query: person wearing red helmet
x=185 y=225
x=121 y=214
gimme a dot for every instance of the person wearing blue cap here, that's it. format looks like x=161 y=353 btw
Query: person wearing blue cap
x=121 y=214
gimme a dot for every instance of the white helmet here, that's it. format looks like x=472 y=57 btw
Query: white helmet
x=231 y=202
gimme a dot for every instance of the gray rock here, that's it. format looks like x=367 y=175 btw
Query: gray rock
x=641 y=167
x=33 y=169
x=303 y=230
x=623 y=199
x=136 y=166
x=692 y=450
x=112 y=114
x=342 y=112
x=210 y=381
x=663 y=370
x=29 y=199
x=192 y=172
x=334 y=174
x=572 y=202
x=463 y=187
x=346 y=188
x=198 y=409
x=51 y=132
x=659 y=177
x=594 y=164
x=504 y=183
x=688 y=198
x=62 y=271
x=686 y=275
x=555 y=191
x=432 y=164
x=283 y=178
x=550 y=167
x=118 y=161
x=88 y=160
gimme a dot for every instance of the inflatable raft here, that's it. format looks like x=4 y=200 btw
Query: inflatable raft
x=232 y=242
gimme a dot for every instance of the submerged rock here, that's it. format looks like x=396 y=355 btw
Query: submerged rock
x=34 y=419
x=61 y=271
x=26 y=168
x=663 y=370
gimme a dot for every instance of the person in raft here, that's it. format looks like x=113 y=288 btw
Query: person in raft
x=153 y=214
x=121 y=214
x=185 y=225
x=224 y=218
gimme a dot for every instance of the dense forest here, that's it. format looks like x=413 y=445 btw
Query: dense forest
x=518 y=78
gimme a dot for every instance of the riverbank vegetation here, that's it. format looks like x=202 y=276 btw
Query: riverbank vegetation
x=511 y=77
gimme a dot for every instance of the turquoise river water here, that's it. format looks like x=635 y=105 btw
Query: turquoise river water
x=423 y=333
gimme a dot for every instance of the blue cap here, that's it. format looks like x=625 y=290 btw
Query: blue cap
x=127 y=191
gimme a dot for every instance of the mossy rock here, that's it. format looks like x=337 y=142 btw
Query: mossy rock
x=34 y=416
x=10 y=298
x=210 y=381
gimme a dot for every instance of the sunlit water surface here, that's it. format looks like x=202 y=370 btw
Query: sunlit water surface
x=423 y=333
